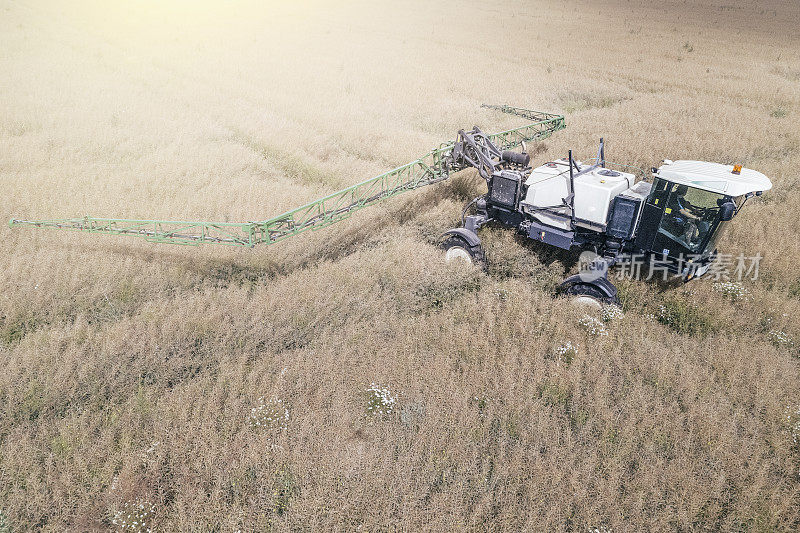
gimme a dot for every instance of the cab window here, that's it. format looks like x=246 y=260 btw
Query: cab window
x=690 y=215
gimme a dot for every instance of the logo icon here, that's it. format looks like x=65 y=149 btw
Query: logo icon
x=591 y=266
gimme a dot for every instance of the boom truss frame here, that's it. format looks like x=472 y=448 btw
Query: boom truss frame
x=433 y=167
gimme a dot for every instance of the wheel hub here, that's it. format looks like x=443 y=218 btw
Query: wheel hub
x=457 y=253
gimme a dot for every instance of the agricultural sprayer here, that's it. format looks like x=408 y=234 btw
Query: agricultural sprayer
x=564 y=203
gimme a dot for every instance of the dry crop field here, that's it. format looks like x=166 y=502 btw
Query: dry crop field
x=348 y=378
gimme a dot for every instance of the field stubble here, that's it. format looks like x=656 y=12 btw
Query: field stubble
x=348 y=377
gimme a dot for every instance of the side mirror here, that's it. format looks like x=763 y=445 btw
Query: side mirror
x=726 y=211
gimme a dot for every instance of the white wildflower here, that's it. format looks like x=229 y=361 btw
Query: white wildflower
x=269 y=414
x=593 y=326
x=134 y=516
x=380 y=401
x=481 y=401
x=734 y=291
x=793 y=421
x=781 y=339
x=611 y=312
x=567 y=352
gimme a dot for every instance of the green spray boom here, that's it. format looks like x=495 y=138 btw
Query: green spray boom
x=433 y=167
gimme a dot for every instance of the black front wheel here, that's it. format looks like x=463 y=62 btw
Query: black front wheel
x=589 y=294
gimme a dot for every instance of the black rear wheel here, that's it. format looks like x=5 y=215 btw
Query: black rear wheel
x=457 y=248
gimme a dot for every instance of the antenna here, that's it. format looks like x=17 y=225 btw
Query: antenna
x=572 y=190
x=601 y=154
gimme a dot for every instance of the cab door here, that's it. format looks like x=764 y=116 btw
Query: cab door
x=651 y=215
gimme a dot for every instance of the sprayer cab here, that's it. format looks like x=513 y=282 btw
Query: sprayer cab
x=690 y=204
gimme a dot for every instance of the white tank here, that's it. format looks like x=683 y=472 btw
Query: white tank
x=548 y=186
x=594 y=192
x=547 y=189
